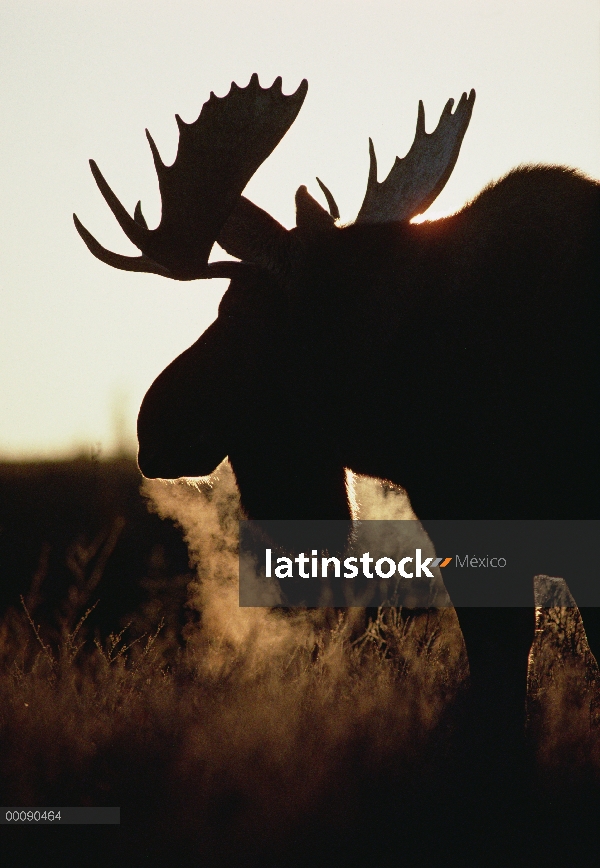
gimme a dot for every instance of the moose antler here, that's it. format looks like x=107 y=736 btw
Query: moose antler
x=216 y=157
x=417 y=179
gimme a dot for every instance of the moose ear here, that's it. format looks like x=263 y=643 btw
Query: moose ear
x=311 y=218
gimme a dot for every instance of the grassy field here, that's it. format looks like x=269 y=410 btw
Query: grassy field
x=236 y=736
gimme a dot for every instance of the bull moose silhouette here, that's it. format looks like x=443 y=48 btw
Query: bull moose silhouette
x=455 y=358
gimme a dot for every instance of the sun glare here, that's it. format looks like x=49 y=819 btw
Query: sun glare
x=431 y=214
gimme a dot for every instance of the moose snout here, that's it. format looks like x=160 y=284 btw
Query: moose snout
x=196 y=455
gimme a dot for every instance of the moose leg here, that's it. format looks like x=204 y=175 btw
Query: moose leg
x=498 y=638
x=498 y=641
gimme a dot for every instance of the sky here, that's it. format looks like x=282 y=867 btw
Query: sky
x=80 y=342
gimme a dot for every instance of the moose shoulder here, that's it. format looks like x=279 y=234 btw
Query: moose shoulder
x=457 y=358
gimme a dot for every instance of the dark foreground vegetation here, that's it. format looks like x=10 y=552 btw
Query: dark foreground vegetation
x=78 y=531
x=236 y=736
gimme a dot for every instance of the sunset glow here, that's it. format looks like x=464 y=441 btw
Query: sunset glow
x=81 y=342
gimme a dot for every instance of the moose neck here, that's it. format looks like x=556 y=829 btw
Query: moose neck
x=288 y=483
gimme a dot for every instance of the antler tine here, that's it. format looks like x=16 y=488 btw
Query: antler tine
x=138 y=216
x=136 y=233
x=216 y=157
x=416 y=180
x=332 y=204
x=117 y=260
x=143 y=263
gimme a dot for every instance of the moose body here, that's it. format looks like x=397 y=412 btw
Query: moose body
x=456 y=358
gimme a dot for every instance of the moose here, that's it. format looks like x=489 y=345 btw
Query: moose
x=454 y=357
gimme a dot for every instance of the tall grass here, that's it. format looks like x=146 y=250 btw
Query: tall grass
x=262 y=732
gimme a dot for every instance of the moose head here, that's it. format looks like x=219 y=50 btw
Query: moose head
x=269 y=382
